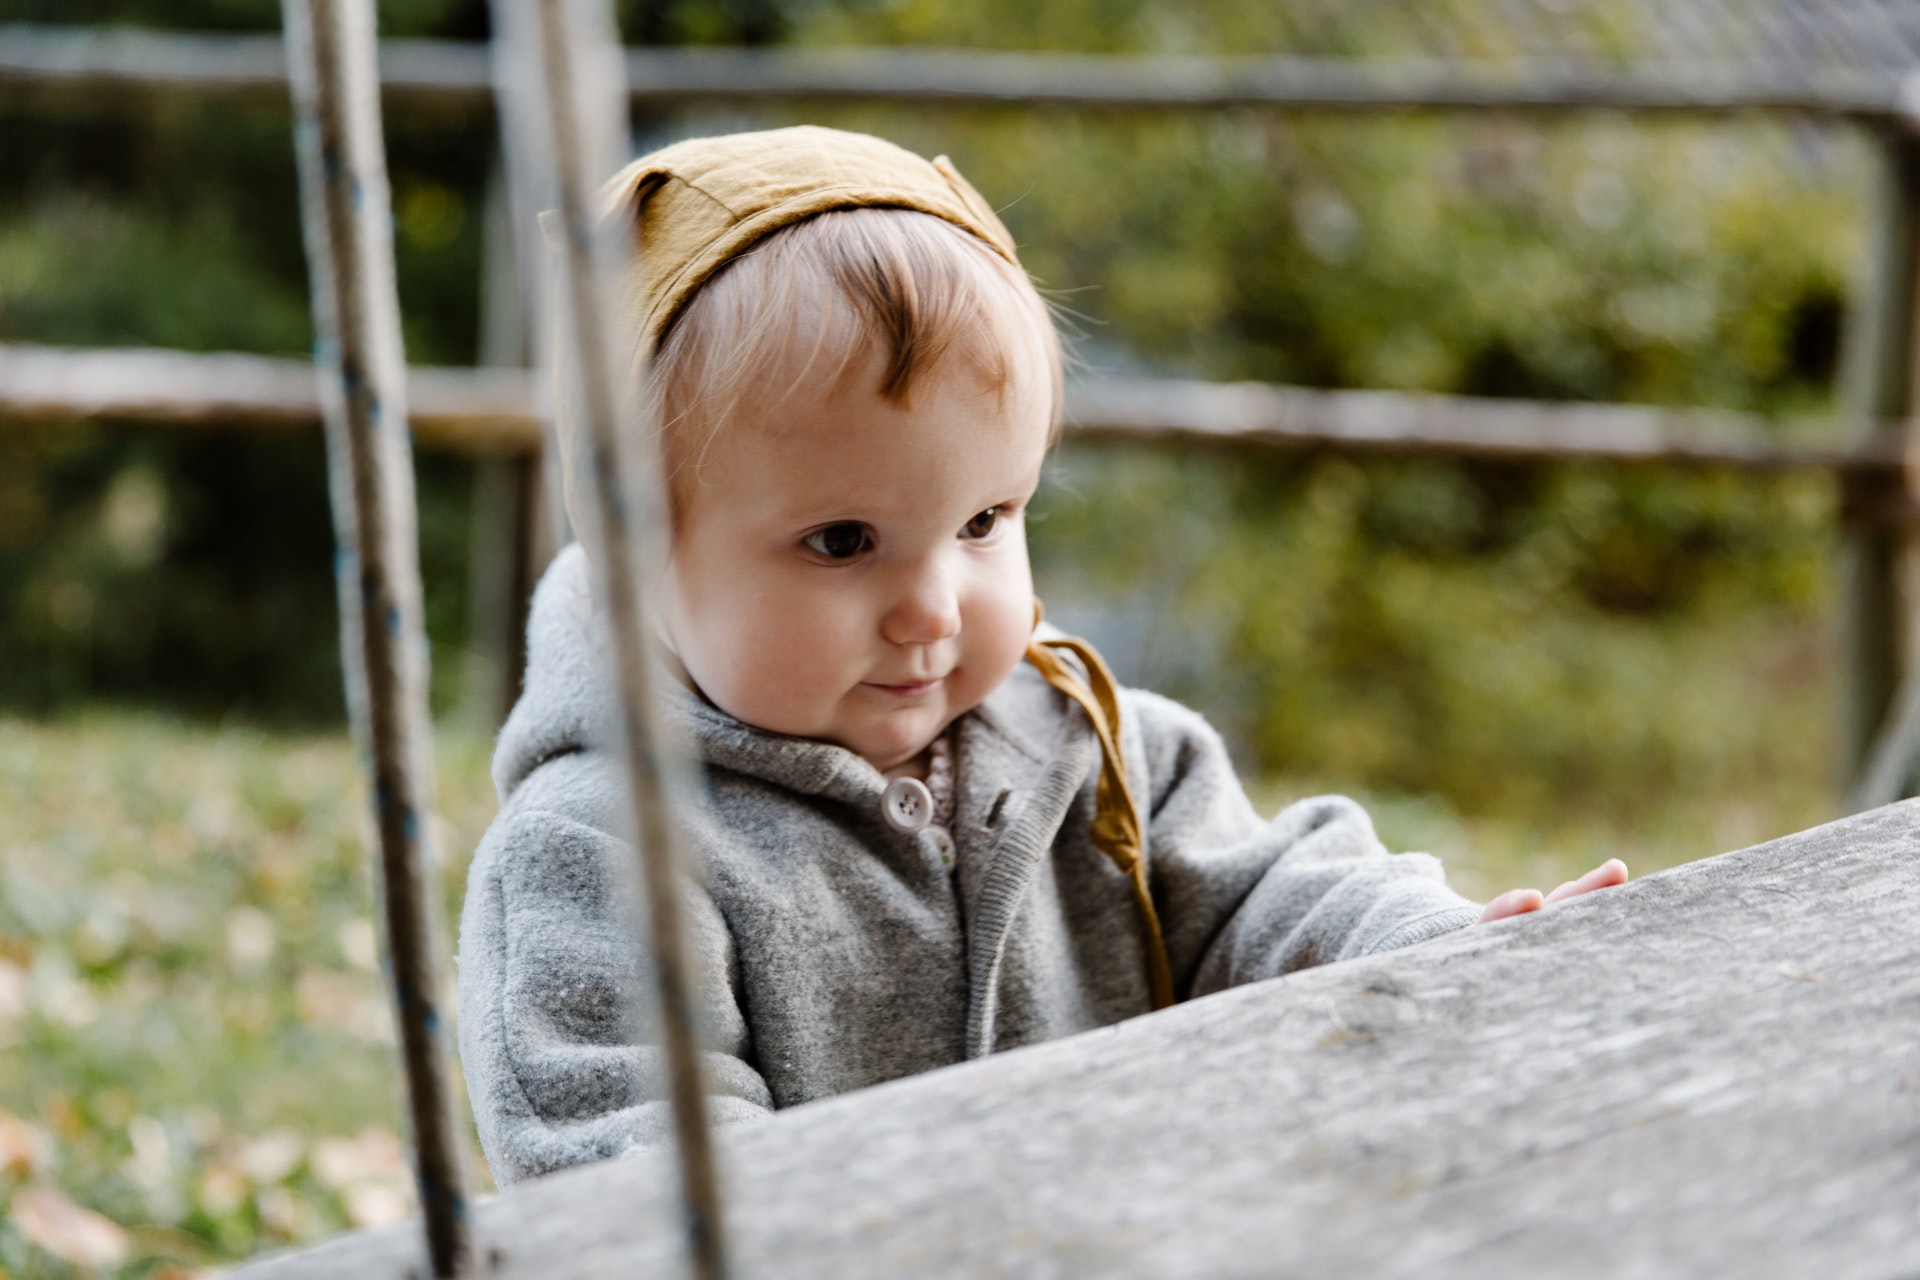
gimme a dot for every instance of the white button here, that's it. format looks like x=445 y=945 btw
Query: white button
x=943 y=842
x=907 y=804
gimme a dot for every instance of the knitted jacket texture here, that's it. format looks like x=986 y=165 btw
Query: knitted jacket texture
x=835 y=952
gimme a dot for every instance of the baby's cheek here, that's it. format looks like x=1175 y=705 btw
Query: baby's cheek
x=810 y=660
x=1002 y=625
x=758 y=688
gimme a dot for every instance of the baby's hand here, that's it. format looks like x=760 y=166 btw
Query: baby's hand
x=1517 y=902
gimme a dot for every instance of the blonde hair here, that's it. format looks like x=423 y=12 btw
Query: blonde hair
x=815 y=297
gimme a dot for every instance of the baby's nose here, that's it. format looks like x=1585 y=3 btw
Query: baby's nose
x=927 y=609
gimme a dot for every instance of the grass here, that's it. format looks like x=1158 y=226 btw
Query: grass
x=194 y=1037
x=195 y=1058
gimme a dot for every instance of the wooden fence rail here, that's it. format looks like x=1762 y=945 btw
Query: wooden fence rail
x=498 y=411
x=96 y=59
x=463 y=410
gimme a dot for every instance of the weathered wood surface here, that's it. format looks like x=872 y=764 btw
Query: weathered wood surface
x=1464 y=426
x=481 y=410
x=1708 y=1072
x=100 y=59
x=496 y=410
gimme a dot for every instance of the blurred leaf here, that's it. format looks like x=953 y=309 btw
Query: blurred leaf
x=66 y=1230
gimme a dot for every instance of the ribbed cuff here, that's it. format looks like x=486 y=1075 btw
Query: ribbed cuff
x=1424 y=927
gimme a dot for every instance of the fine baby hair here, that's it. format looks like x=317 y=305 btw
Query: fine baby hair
x=798 y=308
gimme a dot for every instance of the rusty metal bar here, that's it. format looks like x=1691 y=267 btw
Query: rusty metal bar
x=583 y=121
x=362 y=374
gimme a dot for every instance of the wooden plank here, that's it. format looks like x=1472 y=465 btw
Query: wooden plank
x=101 y=59
x=487 y=410
x=1162 y=82
x=348 y=223
x=463 y=410
x=1708 y=1072
x=1470 y=426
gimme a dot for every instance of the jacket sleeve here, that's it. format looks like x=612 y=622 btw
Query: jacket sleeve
x=1243 y=899
x=557 y=1034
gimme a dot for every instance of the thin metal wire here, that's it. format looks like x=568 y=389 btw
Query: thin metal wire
x=356 y=310
x=582 y=91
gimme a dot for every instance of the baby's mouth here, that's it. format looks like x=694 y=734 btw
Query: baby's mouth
x=908 y=688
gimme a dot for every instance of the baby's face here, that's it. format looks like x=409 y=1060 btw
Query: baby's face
x=853 y=571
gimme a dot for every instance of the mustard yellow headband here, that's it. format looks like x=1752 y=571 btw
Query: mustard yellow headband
x=698 y=204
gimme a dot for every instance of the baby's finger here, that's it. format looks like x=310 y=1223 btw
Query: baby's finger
x=1605 y=876
x=1514 y=902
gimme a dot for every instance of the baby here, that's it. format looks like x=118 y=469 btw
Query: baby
x=929 y=828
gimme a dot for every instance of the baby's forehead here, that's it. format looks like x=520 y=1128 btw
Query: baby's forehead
x=994 y=364
x=842 y=411
x=854 y=453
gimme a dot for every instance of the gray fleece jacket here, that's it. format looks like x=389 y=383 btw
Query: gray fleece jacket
x=836 y=952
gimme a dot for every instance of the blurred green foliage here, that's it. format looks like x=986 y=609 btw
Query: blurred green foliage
x=1518 y=631
x=188 y=569
x=1590 y=258
x=191 y=571
x=1527 y=643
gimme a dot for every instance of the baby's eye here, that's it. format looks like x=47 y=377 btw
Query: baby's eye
x=981 y=525
x=839 y=541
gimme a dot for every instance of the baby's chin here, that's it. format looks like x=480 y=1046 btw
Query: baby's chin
x=892 y=746
x=886 y=741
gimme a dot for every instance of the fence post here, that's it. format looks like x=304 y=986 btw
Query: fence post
x=503 y=561
x=1877 y=402
x=581 y=119
x=528 y=168
x=346 y=215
